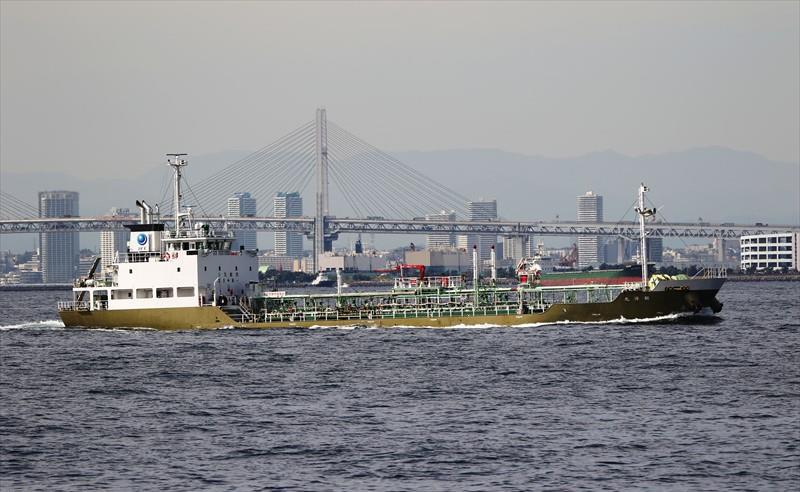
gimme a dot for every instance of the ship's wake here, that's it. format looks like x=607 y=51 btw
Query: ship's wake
x=670 y=318
x=48 y=324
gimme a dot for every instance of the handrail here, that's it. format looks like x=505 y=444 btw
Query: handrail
x=712 y=272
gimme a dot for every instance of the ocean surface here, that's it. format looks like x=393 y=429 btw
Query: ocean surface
x=659 y=406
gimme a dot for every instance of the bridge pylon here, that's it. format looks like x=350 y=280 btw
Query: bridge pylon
x=321 y=243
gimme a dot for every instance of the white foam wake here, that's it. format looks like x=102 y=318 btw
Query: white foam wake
x=49 y=324
x=477 y=326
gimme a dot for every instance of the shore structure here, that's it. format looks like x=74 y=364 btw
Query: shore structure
x=189 y=277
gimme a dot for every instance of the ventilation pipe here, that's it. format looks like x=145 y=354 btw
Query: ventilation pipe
x=475 y=274
x=493 y=262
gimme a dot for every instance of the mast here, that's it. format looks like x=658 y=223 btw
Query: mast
x=643 y=213
x=176 y=162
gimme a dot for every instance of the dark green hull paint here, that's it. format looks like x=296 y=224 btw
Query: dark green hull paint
x=628 y=305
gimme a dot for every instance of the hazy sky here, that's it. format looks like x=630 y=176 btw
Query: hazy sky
x=102 y=87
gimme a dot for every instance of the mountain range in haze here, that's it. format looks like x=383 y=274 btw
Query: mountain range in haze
x=715 y=183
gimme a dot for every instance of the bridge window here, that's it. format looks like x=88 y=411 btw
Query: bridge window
x=185 y=291
x=144 y=293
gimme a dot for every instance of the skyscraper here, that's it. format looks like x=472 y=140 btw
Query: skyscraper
x=517 y=247
x=113 y=242
x=60 y=250
x=242 y=205
x=288 y=205
x=441 y=240
x=482 y=211
x=590 y=209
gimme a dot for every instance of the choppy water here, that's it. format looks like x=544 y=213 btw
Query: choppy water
x=672 y=406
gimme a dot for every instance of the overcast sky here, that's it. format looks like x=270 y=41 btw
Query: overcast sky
x=103 y=87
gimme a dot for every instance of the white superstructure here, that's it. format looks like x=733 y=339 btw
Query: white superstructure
x=188 y=266
x=770 y=251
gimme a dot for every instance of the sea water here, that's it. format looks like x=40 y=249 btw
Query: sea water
x=672 y=405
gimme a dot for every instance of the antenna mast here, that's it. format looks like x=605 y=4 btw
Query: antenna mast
x=643 y=213
x=177 y=163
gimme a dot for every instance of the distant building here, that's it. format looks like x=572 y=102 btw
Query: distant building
x=518 y=247
x=655 y=249
x=113 y=242
x=85 y=264
x=288 y=205
x=590 y=210
x=438 y=262
x=441 y=240
x=770 y=251
x=59 y=250
x=480 y=211
x=243 y=205
x=277 y=262
x=352 y=262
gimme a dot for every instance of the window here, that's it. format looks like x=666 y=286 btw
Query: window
x=179 y=269
x=121 y=294
x=185 y=291
x=130 y=270
x=205 y=268
x=163 y=292
x=144 y=293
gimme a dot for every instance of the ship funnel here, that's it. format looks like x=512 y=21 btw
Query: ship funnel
x=148 y=213
x=143 y=218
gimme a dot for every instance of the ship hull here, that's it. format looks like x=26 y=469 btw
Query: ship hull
x=630 y=305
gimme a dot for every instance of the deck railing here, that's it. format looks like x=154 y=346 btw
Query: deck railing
x=712 y=272
x=74 y=305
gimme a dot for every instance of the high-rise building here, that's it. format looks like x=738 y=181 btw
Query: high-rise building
x=441 y=240
x=481 y=211
x=60 y=250
x=243 y=205
x=288 y=205
x=655 y=249
x=590 y=209
x=518 y=247
x=113 y=242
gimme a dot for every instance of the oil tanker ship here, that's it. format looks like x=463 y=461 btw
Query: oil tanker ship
x=189 y=277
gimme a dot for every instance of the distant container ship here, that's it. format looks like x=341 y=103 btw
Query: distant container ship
x=190 y=278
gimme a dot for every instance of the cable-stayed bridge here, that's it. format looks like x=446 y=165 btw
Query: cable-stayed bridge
x=382 y=194
x=336 y=225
